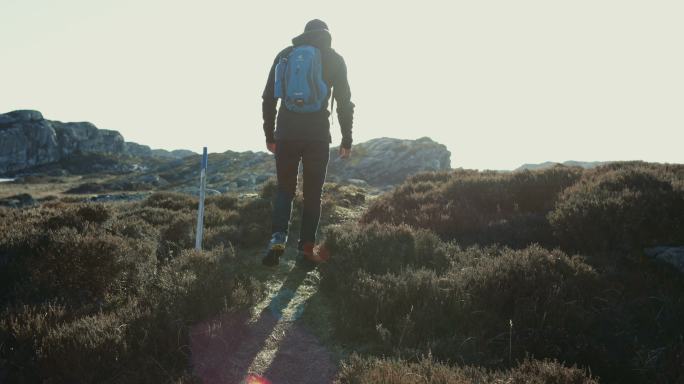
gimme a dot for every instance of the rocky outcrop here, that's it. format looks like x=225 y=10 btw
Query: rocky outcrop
x=569 y=163
x=140 y=150
x=670 y=255
x=17 y=201
x=28 y=140
x=386 y=161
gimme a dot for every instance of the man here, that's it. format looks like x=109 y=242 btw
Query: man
x=302 y=132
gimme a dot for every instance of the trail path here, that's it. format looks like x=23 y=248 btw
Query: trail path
x=271 y=342
x=285 y=338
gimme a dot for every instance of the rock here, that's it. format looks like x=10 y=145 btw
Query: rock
x=17 y=201
x=570 y=163
x=387 y=161
x=136 y=149
x=357 y=182
x=120 y=197
x=140 y=150
x=195 y=191
x=175 y=154
x=28 y=140
x=85 y=137
x=19 y=117
x=151 y=179
x=671 y=255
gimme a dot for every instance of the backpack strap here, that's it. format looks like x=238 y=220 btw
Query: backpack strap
x=332 y=107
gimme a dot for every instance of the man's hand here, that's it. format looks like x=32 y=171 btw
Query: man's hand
x=345 y=153
x=271 y=147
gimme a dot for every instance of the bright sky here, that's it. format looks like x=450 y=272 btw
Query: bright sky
x=499 y=82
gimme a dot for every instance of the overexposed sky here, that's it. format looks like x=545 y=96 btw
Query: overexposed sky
x=500 y=82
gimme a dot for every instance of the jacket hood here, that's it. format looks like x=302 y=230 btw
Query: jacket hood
x=319 y=38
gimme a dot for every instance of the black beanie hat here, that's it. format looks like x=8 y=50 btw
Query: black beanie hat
x=315 y=25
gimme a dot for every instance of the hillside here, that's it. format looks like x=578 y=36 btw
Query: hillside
x=562 y=275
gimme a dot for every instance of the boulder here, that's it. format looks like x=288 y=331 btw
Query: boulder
x=28 y=140
x=670 y=255
x=17 y=201
x=140 y=150
x=136 y=149
x=387 y=161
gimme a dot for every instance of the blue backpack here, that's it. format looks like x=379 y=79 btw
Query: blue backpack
x=299 y=80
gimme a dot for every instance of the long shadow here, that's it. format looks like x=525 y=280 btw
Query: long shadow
x=305 y=356
x=240 y=340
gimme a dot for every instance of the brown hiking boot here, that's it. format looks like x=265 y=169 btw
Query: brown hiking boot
x=313 y=254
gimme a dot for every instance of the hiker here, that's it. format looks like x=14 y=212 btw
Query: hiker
x=304 y=76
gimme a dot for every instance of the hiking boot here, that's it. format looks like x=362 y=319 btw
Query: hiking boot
x=276 y=247
x=311 y=255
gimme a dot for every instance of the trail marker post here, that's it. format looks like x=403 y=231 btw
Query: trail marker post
x=200 y=212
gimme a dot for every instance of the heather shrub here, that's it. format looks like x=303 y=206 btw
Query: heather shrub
x=85 y=299
x=269 y=189
x=463 y=313
x=196 y=283
x=135 y=228
x=151 y=215
x=620 y=209
x=623 y=322
x=223 y=236
x=346 y=196
x=255 y=225
x=357 y=370
x=478 y=207
x=177 y=236
x=218 y=217
x=379 y=248
x=226 y=202
x=86 y=266
x=89 y=349
x=22 y=327
x=79 y=216
x=171 y=200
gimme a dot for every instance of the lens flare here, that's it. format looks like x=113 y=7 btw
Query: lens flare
x=256 y=379
x=323 y=253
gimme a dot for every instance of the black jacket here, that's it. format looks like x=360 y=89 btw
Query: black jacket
x=316 y=125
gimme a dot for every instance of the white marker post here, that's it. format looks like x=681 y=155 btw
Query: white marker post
x=200 y=211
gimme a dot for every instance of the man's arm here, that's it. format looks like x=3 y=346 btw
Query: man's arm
x=268 y=105
x=345 y=107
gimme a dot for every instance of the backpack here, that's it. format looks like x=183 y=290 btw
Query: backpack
x=299 y=80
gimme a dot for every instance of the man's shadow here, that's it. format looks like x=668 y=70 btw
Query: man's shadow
x=267 y=320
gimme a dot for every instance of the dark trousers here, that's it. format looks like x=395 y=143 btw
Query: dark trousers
x=314 y=157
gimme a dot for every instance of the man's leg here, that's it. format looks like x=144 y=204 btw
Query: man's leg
x=287 y=162
x=315 y=162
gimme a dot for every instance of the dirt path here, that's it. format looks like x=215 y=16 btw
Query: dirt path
x=271 y=342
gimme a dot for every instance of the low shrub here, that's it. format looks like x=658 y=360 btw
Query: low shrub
x=378 y=248
x=87 y=350
x=462 y=313
x=85 y=299
x=224 y=201
x=620 y=209
x=478 y=207
x=178 y=235
x=490 y=305
x=255 y=222
x=171 y=200
x=357 y=370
